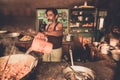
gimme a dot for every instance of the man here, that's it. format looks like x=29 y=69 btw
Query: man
x=54 y=33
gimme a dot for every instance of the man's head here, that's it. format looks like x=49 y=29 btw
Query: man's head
x=51 y=14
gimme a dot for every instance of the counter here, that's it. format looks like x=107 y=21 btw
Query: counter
x=104 y=70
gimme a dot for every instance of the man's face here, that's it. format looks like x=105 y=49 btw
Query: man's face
x=51 y=17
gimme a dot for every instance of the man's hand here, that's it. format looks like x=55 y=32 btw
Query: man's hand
x=41 y=36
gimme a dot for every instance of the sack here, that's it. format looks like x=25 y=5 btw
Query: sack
x=41 y=46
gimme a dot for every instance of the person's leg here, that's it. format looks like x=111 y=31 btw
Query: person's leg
x=56 y=55
x=46 y=58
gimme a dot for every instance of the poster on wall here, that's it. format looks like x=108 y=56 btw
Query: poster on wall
x=63 y=17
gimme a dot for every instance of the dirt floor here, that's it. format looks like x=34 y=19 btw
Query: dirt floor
x=104 y=70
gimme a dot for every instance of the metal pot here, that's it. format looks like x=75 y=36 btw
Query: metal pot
x=81 y=73
x=116 y=54
x=17 y=67
x=14 y=34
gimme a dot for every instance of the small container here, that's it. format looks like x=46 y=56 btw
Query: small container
x=114 y=42
x=80 y=18
x=104 y=48
x=75 y=7
x=68 y=37
x=80 y=12
x=116 y=54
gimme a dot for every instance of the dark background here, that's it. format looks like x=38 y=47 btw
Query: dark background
x=22 y=13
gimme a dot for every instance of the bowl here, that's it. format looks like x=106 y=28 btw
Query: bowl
x=15 y=67
x=83 y=73
x=2 y=31
x=14 y=34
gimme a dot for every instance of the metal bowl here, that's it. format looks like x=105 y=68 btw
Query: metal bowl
x=17 y=66
x=14 y=34
x=81 y=73
x=2 y=31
